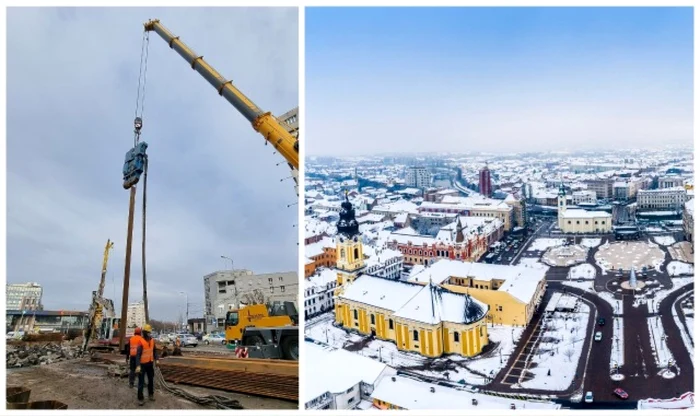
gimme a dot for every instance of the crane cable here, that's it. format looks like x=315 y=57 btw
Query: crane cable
x=140 y=105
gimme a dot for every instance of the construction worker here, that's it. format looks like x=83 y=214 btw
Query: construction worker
x=146 y=357
x=134 y=343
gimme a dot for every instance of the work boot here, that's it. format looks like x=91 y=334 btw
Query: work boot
x=141 y=402
x=152 y=398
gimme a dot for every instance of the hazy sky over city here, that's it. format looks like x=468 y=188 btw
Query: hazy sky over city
x=497 y=79
x=214 y=188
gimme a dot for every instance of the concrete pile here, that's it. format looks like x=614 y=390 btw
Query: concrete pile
x=26 y=355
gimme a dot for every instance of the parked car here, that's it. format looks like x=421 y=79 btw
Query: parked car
x=598 y=336
x=214 y=339
x=601 y=321
x=620 y=393
x=187 y=340
x=589 y=397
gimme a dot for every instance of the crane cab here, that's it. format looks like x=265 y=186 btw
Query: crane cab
x=276 y=314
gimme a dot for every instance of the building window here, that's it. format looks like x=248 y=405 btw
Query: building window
x=282 y=288
x=415 y=335
x=481 y=331
x=596 y=222
x=456 y=335
x=269 y=280
x=578 y=222
x=355 y=313
x=602 y=222
x=391 y=324
x=569 y=221
x=357 y=254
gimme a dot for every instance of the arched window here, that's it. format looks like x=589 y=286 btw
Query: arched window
x=357 y=253
x=415 y=335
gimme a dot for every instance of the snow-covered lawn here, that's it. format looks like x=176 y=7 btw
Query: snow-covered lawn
x=559 y=350
x=660 y=294
x=590 y=242
x=658 y=345
x=585 y=285
x=457 y=367
x=617 y=355
x=665 y=240
x=582 y=271
x=532 y=262
x=616 y=304
x=542 y=244
x=677 y=268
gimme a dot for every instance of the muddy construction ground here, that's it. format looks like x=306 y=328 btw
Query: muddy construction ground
x=82 y=384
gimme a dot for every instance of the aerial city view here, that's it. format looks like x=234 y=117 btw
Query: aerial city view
x=525 y=240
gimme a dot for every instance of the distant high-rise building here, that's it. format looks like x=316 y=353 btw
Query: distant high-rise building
x=485 y=181
x=24 y=296
x=136 y=315
x=418 y=177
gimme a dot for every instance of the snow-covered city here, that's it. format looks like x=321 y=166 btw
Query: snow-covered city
x=499 y=281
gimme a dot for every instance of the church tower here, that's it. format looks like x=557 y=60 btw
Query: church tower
x=348 y=244
x=561 y=204
x=348 y=247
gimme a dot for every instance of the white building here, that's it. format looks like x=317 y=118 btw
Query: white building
x=688 y=222
x=669 y=199
x=418 y=177
x=581 y=221
x=339 y=379
x=384 y=262
x=584 y=197
x=670 y=181
x=135 y=315
x=318 y=292
x=23 y=296
x=397 y=392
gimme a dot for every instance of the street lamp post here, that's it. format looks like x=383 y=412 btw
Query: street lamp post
x=187 y=308
x=235 y=287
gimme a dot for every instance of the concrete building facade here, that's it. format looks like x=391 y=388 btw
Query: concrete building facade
x=418 y=177
x=584 y=197
x=24 y=296
x=666 y=199
x=135 y=315
x=226 y=289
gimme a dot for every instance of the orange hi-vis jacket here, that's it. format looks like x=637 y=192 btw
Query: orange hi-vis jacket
x=147 y=350
x=134 y=343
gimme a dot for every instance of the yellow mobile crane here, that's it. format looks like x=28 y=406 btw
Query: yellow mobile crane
x=263 y=122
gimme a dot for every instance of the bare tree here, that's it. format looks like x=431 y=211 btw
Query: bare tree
x=569 y=353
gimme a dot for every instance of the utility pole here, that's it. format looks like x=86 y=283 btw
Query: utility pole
x=127 y=268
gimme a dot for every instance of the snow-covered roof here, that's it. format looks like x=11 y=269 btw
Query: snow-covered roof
x=322 y=277
x=316 y=249
x=520 y=282
x=434 y=304
x=401 y=218
x=689 y=206
x=510 y=198
x=582 y=213
x=413 y=394
x=397 y=207
x=349 y=369
x=379 y=292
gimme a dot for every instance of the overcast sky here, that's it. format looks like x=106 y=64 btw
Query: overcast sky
x=213 y=187
x=497 y=79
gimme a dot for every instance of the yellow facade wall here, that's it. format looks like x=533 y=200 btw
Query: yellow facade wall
x=433 y=340
x=504 y=309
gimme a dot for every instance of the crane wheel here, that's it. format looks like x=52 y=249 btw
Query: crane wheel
x=290 y=348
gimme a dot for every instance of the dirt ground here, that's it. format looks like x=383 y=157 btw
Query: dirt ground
x=85 y=385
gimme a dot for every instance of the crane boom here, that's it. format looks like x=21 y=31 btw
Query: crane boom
x=263 y=122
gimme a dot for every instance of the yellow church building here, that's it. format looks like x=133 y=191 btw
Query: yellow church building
x=426 y=319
